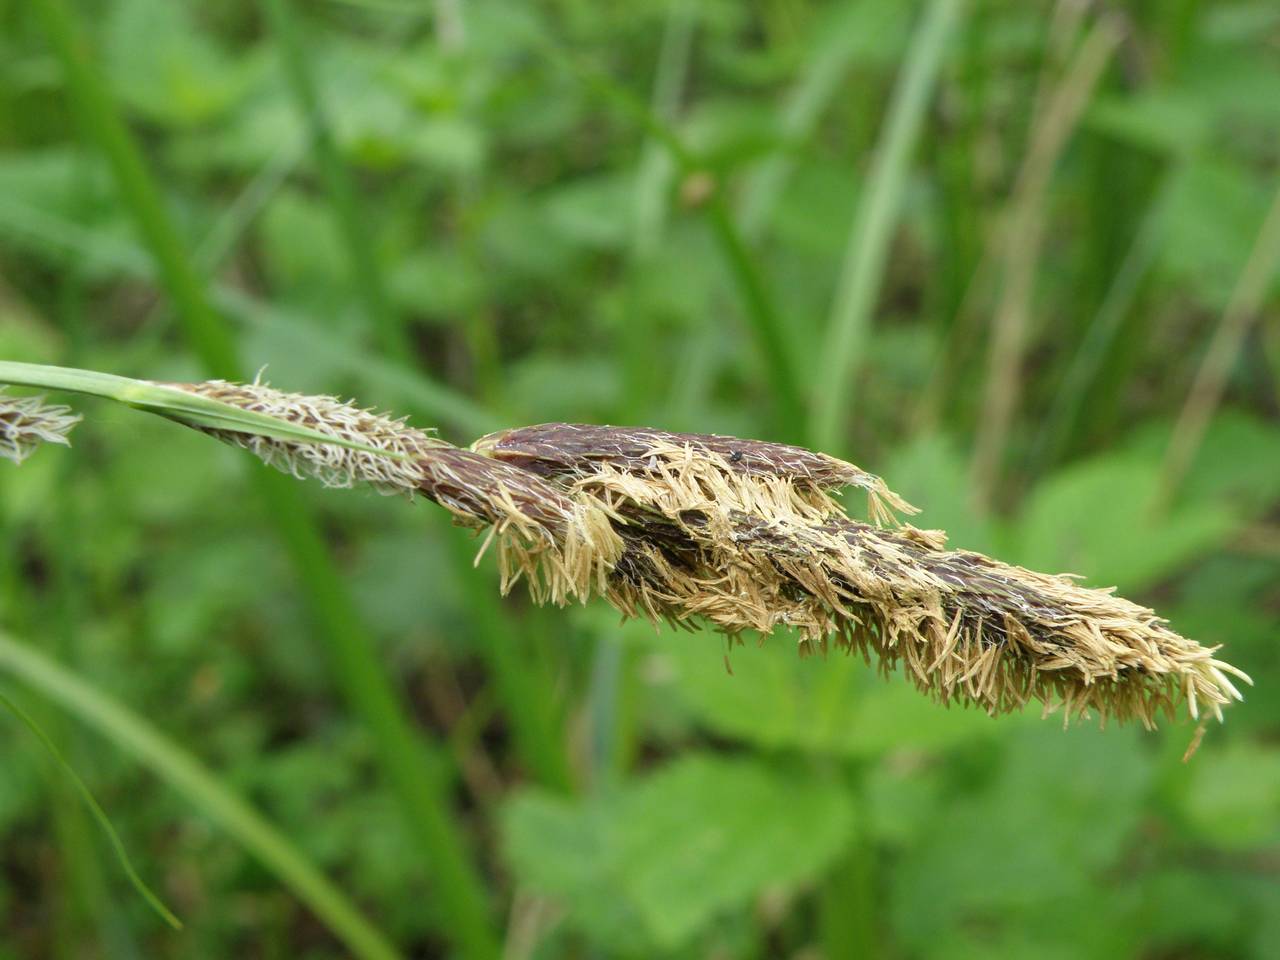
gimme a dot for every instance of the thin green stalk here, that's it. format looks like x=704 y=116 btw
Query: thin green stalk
x=169 y=402
x=424 y=800
x=1077 y=384
x=202 y=788
x=91 y=803
x=530 y=716
x=71 y=826
x=868 y=248
x=337 y=181
x=762 y=313
x=765 y=320
x=848 y=907
x=1224 y=348
x=1022 y=241
x=657 y=165
x=803 y=107
x=524 y=691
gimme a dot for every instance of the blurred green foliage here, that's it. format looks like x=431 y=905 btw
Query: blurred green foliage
x=547 y=257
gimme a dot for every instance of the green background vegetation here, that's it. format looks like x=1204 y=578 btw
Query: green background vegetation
x=983 y=249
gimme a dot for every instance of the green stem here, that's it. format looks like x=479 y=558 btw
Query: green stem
x=525 y=691
x=170 y=402
x=424 y=800
x=878 y=207
x=202 y=788
x=337 y=182
x=766 y=323
x=762 y=314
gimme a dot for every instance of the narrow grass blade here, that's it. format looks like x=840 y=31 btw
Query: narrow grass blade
x=202 y=788
x=1224 y=348
x=762 y=314
x=1077 y=383
x=868 y=247
x=803 y=107
x=1022 y=243
x=117 y=845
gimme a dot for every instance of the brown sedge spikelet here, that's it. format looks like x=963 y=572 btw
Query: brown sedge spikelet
x=27 y=422
x=710 y=539
x=698 y=471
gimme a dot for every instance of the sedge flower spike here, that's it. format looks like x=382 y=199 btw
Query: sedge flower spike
x=27 y=422
x=739 y=535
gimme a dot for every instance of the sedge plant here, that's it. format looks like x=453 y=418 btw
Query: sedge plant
x=693 y=529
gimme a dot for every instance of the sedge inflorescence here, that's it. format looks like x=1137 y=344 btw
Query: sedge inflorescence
x=748 y=536
x=27 y=422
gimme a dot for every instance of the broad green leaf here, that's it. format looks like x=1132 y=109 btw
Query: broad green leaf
x=930 y=473
x=834 y=704
x=165 y=66
x=1234 y=797
x=666 y=854
x=1024 y=857
x=1161 y=120
x=1215 y=212
x=1095 y=519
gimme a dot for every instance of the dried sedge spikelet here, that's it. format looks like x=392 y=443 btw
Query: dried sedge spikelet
x=743 y=535
x=967 y=628
x=562 y=547
x=334 y=466
x=27 y=422
x=694 y=471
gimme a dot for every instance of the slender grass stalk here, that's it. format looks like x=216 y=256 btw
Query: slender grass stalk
x=803 y=106
x=763 y=316
x=194 y=410
x=225 y=233
x=423 y=799
x=868 y=247
x=766 y=322
x=91 y=803
x=657 y=165
x=71 y=824
x=1210 y=382
x=202 y=788
x=1099 y=337
x=525 y=691
x=337 y=181
x=1022 y=241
